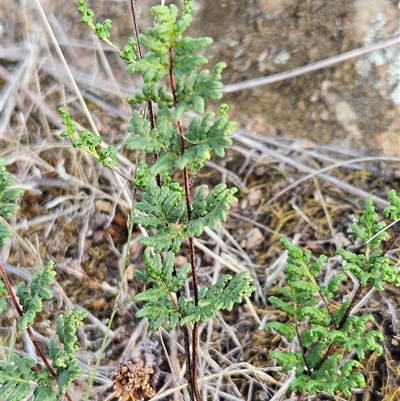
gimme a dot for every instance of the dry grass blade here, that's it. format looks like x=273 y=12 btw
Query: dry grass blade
x=277 y=155
x=311 y=67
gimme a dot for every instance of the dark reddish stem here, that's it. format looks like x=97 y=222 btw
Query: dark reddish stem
x=301 y=397
x=29 y=330
x=140 y=57
x=359 y=289
x=136 y=28
x=296 y=323
x=192 y=250
x=355 y=300
x=391 y=242
x=150 y=111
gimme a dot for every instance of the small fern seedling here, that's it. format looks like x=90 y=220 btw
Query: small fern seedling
x=327 y=335
x=18 y=375
x=8 y=194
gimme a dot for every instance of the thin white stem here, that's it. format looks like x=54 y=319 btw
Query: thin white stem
x=65 y=64
x=318 y=65
x=383 y=229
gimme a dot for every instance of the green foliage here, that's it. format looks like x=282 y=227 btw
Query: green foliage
x=210 y=208
x=31 y=298
x=172 y=53
x=7 y=195
x=70 y=126
x=160 y=298
x=174 y=80
x=328 y=379
x=87 y=13
x=220 y=296
x=161 y=305
x=151 y=140
x=163 y=209
x=129 y=51
x=370 y=266
x=166 y=39
x=205 y=138
x=88 y=141
x=63 y=357
x=375 y=270
x=192 y=91
x=3 y=295
x=17 y=377
x=17 y=374
x=370 y=226
x=326 y=336
x=102 y=31
x=393 y=210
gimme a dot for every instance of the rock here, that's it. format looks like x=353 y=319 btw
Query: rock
x=254 y=197
x=254 y=238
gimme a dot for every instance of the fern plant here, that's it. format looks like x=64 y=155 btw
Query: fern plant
x=174 y=83
x=326 y=334
x=18 y=375
x=8 y=194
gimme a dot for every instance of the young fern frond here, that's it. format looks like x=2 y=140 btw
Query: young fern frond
x=102 y=31
x=220 y=296
x=325 y=336
x=393 y=210
x=63 y=357
x=17 y=376
x=8 y=194
x=88 y=141
x=31 y=299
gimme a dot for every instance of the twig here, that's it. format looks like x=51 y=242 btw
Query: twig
x=65 y=64
x=311 y=67
x=255 y=144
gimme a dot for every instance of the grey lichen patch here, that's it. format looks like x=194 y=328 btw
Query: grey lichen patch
x=389 y=77
x=282 y=57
